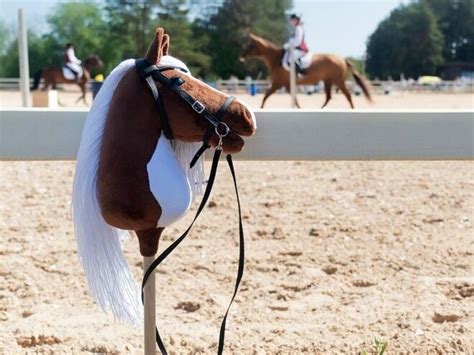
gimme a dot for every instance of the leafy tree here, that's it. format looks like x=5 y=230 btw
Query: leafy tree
x=4 y=37
x=80 y=23
x=39 y=54
x=408 y=41
x=207 y=35
x=456 y=22
x=173 y=15
x=230 y=26
x=130 y=25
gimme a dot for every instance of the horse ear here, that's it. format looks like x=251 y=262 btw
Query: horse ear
x=166 y=44
x=252 y=36
x=159 y=47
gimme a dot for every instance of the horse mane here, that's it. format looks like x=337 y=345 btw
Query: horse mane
x=185 y=151
x=275 y=53
x=267 y=43
x=99 y=245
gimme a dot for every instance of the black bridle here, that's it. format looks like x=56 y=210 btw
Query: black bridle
x=150 y=73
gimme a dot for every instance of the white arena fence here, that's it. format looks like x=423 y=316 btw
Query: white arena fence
x=260 y=86
x=11 y=83
x=378 y=87
x=44 y=134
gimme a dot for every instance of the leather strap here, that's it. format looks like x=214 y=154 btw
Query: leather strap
x=169 y=250
x=240 y=269
x=149 y=72
x=210 y=130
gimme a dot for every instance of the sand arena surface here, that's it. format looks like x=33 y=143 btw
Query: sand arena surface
x=338 y=253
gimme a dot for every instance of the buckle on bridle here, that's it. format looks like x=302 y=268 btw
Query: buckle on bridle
x=222 y=129
x=198 y=106
x=221 y=133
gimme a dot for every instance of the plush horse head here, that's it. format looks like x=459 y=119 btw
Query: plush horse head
x=130 y=176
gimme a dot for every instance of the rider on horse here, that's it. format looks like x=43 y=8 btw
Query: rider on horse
x=297 y=41
x=71 y=61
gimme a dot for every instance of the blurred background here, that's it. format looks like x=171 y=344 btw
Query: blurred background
x=399 y=45
x=352 y=257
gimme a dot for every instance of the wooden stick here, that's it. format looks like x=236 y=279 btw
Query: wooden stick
x=149 y=309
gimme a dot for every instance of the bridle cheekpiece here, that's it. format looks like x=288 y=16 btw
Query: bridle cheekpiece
x=151 y=72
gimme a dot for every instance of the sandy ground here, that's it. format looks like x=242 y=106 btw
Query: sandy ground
x=338 y=253
x=395 y=100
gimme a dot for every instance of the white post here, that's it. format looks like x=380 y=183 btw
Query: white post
x=292 y=77
x=149 y=309
x=24 y=63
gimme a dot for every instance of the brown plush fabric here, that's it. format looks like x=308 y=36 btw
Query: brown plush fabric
x=130 y=137
x=131 y=133
x=158 y=47
x=148 y=241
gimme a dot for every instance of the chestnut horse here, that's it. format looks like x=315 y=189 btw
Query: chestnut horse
x=53 y=75
x=131 y=176
x=329 y=68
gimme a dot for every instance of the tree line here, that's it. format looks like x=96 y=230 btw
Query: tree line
x=207 y=35
x=415 y=39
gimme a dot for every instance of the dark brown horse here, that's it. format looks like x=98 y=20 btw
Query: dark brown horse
x=329 y=68
x=130 y=176
x=53 y=75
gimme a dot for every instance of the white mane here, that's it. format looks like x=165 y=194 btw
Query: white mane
x=185 y=151
x=99 y=244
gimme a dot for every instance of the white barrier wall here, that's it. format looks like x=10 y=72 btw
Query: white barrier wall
x=42 y=134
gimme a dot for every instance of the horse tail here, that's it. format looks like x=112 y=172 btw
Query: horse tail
x=108 y=274
x=360 y=80
x=37 y=79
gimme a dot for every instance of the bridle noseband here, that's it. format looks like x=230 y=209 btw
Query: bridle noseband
x=151 y=72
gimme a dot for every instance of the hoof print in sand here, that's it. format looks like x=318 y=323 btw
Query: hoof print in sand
x=188 y=306
x=32 y=341
x=441 y=318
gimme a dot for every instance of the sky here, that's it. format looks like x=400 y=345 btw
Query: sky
x=332 y=26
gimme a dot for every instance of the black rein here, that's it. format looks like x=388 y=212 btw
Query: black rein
x=150 y=73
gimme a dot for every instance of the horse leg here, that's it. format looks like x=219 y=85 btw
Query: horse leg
x=327 y=90
x=84 y=92
x=79 y=99
x=269 y=92
x=83 y=96
x=346 y=93
x=46 y=84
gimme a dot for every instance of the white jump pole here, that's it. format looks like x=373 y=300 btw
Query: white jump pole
x=149 y=313
x=24 y=63
x=292 y=77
